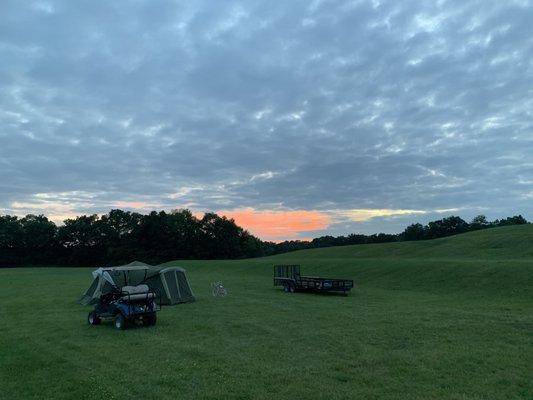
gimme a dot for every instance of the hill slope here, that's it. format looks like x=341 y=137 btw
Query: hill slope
x=493 y=262
x=509 y=242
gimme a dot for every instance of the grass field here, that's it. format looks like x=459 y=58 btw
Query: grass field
x=444 y=319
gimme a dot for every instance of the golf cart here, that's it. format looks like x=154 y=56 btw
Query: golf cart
x=127 y=306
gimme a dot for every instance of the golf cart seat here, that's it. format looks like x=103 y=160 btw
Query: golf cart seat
x=139 y=292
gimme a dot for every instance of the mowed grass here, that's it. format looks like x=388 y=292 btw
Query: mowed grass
x=444 y=319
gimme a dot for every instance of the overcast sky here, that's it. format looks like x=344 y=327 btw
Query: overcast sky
x=297 y=118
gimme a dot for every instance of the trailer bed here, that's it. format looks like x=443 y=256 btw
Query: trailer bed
x=289 y=277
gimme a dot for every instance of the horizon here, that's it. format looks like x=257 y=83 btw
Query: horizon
x=257 y=227
x=297 y=120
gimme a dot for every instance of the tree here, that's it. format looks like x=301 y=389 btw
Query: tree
x=414 y=232
x=446 y=227
x=479 y=222
x=39 y=239
x=152 y=237
x=356 y=239
x=82 y=241
x=324 y=241
x=516 y=220
x=251 y=246
x=382 y=238
x=11 y=237
x=220 y=237
x=116 y=229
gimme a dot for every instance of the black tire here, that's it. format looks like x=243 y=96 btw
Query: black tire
x=120 y=323
x=150 y=320
x=93 y=319
x=286 y=288
x=292 y=288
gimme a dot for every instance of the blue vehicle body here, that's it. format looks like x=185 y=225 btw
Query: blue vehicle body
x=133 y=309
x=132 y=304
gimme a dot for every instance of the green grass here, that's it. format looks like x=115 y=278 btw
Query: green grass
x=444 y=319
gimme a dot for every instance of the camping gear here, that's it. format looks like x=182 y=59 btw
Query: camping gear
x=128 y=305
x=289 y=277
x=218 y=289
x=169 y=283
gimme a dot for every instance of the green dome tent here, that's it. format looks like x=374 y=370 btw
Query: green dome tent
x=170 y=283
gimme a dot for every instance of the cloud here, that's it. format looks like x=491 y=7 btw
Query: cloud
x=57 y=206
x=136 y=205
x=365 y=215
x=320 y=106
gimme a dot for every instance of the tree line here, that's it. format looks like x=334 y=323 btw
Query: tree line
x=122 y=236
x=452 y=225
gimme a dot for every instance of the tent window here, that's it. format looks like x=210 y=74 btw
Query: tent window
x=172 y=287
x=165 y=286
x=177 y=284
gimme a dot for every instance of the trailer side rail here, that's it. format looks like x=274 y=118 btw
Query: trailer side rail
x=289 y=277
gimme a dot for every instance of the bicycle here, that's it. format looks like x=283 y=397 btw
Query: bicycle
x=218 y=289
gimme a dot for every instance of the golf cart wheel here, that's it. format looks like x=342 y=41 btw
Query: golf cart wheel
x=286 y=288
x=292 y=288
x=150 y=320
x=120 y=322
x=93 y=319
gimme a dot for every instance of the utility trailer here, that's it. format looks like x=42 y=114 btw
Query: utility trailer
x=289 y=277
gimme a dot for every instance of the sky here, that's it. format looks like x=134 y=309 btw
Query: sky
x=295 y=118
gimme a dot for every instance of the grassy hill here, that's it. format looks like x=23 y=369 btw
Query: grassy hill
x=495 y=261
x=442 y=319
x=509 y=242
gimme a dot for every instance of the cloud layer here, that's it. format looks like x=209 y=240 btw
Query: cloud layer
x=341 y=108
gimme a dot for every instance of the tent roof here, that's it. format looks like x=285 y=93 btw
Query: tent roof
x=165 y=269
x=138 y=266
x=133 y=266
x=137 y=263
x=127 y=268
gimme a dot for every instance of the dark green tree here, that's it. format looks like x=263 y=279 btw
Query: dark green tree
x=39 y=240
x=414 y=232
x=116 y=229
x=11 y=241
x=446 y=227
x=83 y=241
x=516 y=220
x=479 y=222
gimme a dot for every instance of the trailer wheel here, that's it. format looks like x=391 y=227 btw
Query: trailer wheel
x=120 y=322
x=93 y=319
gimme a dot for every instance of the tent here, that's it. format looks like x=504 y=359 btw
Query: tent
x=170 y=283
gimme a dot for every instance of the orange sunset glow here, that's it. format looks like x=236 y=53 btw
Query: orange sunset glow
x=279 y=225
x=137 y=205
